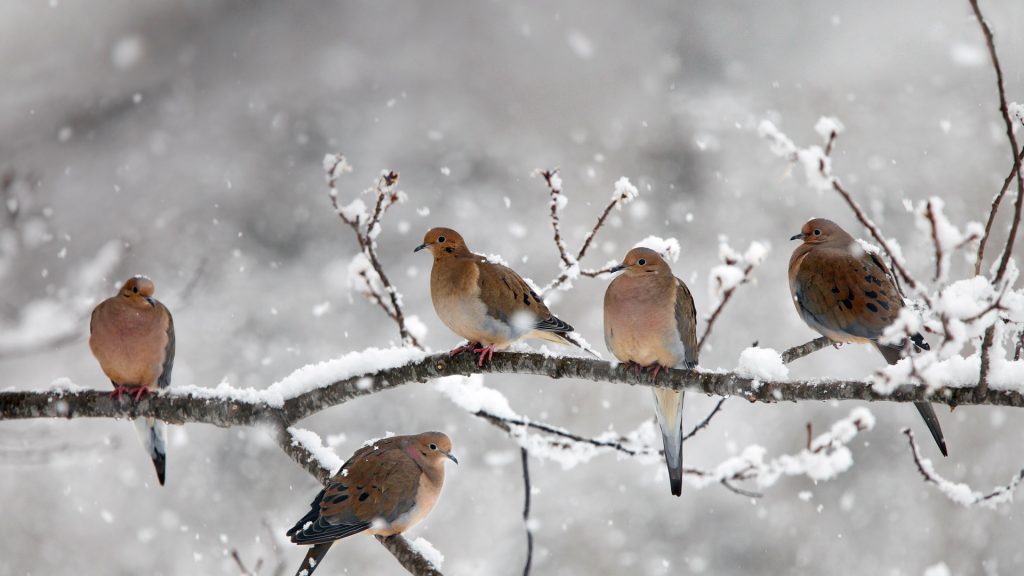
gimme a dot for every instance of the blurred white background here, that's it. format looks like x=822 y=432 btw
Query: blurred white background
x=184 y=141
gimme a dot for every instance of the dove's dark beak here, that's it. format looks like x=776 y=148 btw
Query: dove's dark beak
x=420 y=247
x=152 y=304
x=452 y=457
x=799 y=236
x=618 y=268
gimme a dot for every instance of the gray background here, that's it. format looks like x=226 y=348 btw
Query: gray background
x=191 y=134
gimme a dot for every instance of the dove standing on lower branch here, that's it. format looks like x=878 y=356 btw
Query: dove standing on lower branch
x=848 y=295
x=385 y=488
x=650 y=321
x=486 y=303
x=132 y=336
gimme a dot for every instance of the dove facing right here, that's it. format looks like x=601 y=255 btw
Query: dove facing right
x=385 y=488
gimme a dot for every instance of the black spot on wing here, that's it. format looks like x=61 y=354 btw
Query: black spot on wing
x=848 y=301
x=872 y=307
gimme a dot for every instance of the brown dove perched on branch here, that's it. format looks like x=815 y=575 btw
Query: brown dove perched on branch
x=132 y=336
x=650 y=321
x=848 y=295
x=384 y=488
x=486 y=303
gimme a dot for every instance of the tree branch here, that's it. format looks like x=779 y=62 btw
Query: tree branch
x=525 y=456
x=178 y=408
x=798 y=352
x=1008 y=123
x=958 y=492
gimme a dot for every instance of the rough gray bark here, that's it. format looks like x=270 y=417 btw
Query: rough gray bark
x=180 y=409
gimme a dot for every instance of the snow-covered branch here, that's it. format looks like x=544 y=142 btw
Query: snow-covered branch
x=314 y=388
x=624 y=193
x=959 y=492
x=366 y=271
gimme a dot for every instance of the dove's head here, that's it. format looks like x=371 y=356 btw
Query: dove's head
x=433 y=447
x=138 y=291
x=443 y=242
x=643 y=261
x=820 y=230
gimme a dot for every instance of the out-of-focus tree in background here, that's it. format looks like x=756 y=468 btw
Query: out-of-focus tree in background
x=184 y=141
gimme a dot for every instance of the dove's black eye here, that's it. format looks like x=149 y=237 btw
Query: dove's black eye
x=433 y=446
x=641 y=261
x=440 y=239
x=817 y=232
x=135 y=289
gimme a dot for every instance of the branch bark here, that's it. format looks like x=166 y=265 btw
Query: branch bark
x=182 y=408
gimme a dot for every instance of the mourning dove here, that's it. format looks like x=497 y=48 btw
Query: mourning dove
x=650 y=321
x=132 y=336
x=848 y=295
x=385 y=488
x=486 y=303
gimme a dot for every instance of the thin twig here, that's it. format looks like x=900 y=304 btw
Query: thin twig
x=526 y=510
x=1008 y=123
x=556 y=190
x=241 y=565
x=568 y=261
x=987 y=341
x=1014 y=170
x=956 y=491
x=930 y=215
x=386 y=197
x=718 y=309
x=707 y=419
x=798 y=352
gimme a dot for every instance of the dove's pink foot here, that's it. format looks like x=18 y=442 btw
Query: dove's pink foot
x=467 y=347
x=484 y=352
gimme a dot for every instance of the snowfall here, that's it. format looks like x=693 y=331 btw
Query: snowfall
x=187 y=143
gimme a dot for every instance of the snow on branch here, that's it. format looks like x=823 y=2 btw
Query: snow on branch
x=624 y=193
x=959 y=492
x=366 y=272
x=735 y=270
x=228 y=406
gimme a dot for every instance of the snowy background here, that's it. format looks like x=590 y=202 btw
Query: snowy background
x=184 y=141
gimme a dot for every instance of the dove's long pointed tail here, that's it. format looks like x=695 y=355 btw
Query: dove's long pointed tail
x=153 y=435
x=567 y=338
x=668 y=407
x=892 y=356
x=932 y=421
x=313 y=557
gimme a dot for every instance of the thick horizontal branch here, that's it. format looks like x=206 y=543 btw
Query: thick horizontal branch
x=177 y=409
